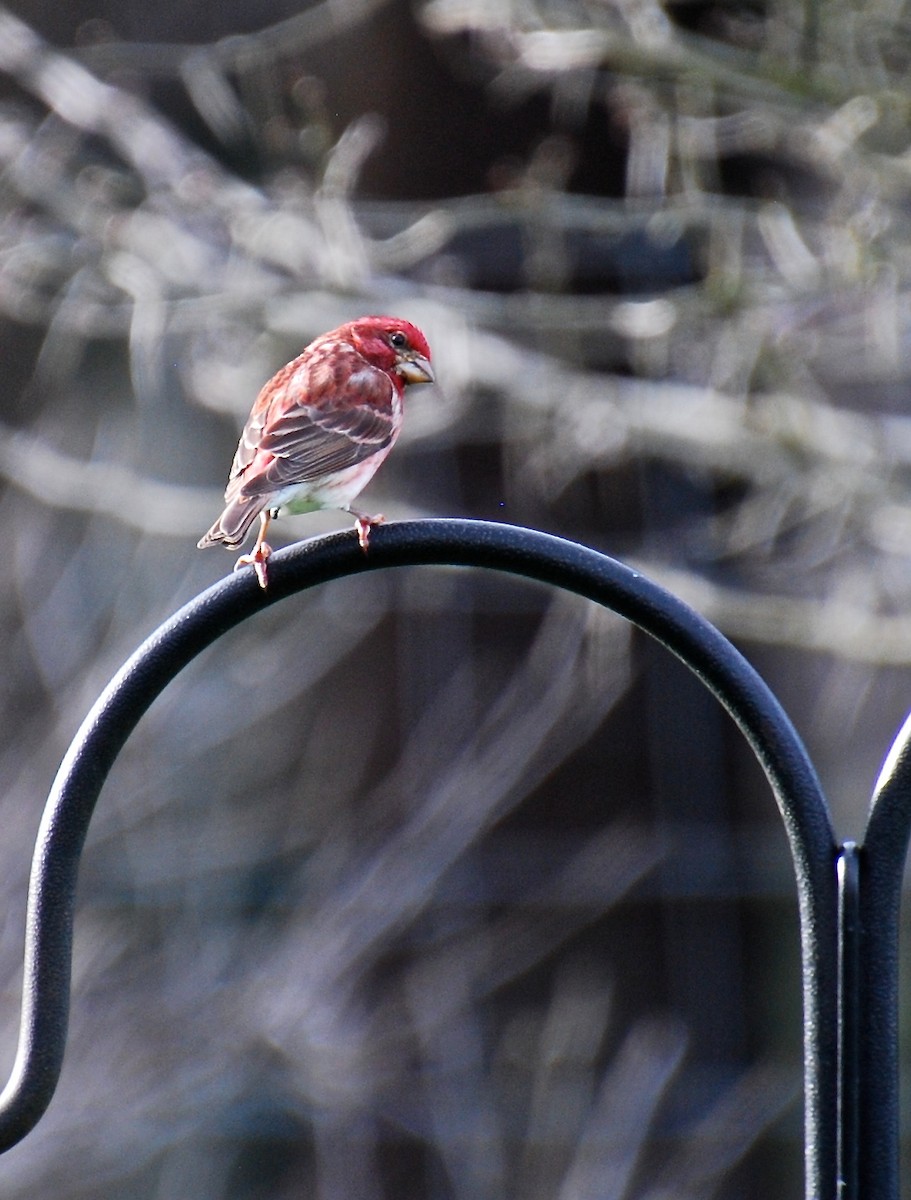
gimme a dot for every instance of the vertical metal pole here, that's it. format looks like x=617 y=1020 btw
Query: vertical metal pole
x=882 y=863
x=848 y=871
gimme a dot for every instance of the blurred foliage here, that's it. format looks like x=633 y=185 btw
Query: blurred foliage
x=437 y=885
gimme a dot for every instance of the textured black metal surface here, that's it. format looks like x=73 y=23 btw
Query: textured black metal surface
x=576 y=568
x=848 y=871
x=882 y=865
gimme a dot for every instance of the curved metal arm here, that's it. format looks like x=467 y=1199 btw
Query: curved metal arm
x=534 y=555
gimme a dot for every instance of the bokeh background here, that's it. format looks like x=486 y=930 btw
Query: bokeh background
x=436 y=885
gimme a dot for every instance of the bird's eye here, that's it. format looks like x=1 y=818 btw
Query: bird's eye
x=398 y=340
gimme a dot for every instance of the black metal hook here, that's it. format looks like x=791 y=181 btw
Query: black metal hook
x=537 y=556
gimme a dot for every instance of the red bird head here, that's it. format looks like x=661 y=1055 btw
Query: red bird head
x=395 y=346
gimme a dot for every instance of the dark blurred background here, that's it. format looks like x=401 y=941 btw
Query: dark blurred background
x=436 y=885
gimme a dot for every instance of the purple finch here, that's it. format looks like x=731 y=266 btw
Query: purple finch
x=319 y=429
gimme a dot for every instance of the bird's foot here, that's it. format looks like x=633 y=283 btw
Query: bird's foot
x=257 y=560
x=363 y=524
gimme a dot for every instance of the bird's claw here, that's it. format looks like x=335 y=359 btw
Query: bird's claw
x=257 y=560
x=364 y=525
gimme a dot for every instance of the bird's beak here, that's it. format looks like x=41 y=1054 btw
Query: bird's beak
x=414 y=368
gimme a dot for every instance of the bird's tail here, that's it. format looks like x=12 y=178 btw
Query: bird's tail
x=234 y=523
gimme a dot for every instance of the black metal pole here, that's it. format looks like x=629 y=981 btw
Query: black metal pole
x=882 y=861
x=848 y=871
x=524 y=552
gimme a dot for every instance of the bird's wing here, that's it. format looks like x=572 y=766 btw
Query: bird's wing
x=322 y=413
